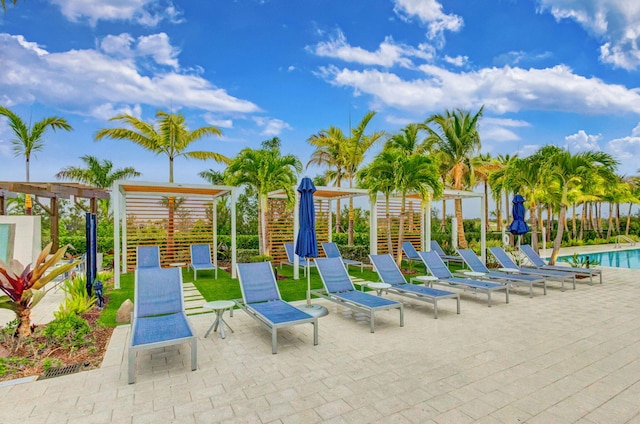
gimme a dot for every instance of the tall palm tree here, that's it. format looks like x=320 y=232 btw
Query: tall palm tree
x=97 y=173
x=497 y=180
x=30 y=139
x=571 y=170
x=357 y=146
x=378 y=177
x=483 y=165
x=265 y=170
x=457 y=140
x=330 y=147
x=171 y=137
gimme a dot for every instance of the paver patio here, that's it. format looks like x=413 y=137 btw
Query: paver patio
x=561 y=358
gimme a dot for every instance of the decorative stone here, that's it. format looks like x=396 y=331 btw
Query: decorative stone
x=123 y=315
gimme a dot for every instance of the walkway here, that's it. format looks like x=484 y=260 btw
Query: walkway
x=566 y=357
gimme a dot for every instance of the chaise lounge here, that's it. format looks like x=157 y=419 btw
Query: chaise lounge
x=331 y=251
x=539 y=263
x=201 y=260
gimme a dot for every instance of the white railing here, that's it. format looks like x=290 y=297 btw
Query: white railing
x=624 y=239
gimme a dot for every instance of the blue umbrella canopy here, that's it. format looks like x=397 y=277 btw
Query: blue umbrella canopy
x=306 y=244
x=518 y=227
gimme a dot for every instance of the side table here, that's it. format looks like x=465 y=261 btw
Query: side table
x=426 y=279
x=378 y=287
x=219 y=306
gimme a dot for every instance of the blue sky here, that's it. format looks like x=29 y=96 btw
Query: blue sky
x=563 y=72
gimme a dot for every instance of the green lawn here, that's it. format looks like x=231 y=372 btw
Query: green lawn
x=226 y=288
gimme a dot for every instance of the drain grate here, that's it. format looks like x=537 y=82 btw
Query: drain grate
x=60 y=371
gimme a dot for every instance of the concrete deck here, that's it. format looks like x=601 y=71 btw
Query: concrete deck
x=566 y=357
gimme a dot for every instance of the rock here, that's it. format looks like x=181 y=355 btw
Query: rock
x=123 y=315
x=4 y=353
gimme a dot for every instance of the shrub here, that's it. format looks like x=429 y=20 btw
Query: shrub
x=76 y=300
x=68 y=330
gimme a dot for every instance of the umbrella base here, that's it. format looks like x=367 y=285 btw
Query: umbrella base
x=316 y=311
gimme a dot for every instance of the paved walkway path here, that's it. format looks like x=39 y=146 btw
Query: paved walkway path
x=566 y=357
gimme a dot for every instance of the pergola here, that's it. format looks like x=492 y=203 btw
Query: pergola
x=170 y=215
x=52 y=191
x=330 y=194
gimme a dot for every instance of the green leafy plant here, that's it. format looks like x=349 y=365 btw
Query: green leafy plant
x=576 y=261
x=48 y=363
x=76 y=301
x=23 y=285
x=69 y=331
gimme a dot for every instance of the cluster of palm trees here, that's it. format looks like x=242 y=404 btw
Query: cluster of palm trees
x=441 y=152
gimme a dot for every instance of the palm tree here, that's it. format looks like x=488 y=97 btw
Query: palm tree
x=4 y=5
x=483 y=165
x=265 y=170
x=574 y=170
x=30 y=140
x=357 y=146
x=497 y=180
x=330 y=147
x=171 y=137
x=212 y=177
x=456 y=140
x=97 y=173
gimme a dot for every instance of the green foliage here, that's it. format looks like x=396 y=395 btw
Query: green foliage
x=359 y=239
x=261 y=258
x=12 y=364
x=48 y=363
x=576 y=261
x=247 y=255
x=69 y=331
x=76 y=300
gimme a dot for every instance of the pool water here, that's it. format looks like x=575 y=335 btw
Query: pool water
x=616 y=258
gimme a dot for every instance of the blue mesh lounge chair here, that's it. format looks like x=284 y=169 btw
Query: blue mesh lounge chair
x=262 y=301
x=331 y=251
x=410 y=253
x=446 y=258
x=439 y=270
x=201 y=260
x=475 y=264
x=288 y=247
x=158 y=318
x=389 y=273
x=339 y=288
x=148 y=257
x=539 y=263
x=505 y=261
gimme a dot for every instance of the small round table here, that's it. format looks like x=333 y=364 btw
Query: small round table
x=378 y=287
x=178 y=264
x=474 y=274
x=426 y=279
x=219 y=306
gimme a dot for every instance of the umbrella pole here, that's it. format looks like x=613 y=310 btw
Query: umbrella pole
x=308 y=284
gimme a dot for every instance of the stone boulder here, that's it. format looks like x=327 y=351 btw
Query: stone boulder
x=123 y=315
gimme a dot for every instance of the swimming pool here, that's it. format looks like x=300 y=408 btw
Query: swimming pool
x=615 y=258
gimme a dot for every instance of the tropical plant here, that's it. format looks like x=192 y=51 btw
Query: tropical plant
x=456 y=140
x=265 y=170
x=577 y=261
x=30 y=139
x=97 y=173
x=171 y=137
x=76 y=300
x=69 y=331
x=24 y=286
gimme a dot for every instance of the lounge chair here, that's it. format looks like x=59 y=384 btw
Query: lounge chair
x=539 y=263
x=389 y=273
x=331 y=251
x=262 y=301
x=410 y=253
x=288 y=247
x=446 y=258
x=201 y=260
x=158 y=317
x=505 y=261
x=148 y=257
x=440 y=270
x=475 y=264
x=339 y=288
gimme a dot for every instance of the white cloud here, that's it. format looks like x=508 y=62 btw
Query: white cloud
x=271 y=127
x=388 y=54
x=143 y=12
x=82 y=81
x=457 y=61
x=500 y=129
x=217 y=121
x=616 y=22
x=626 y=150
x=429 y=12
x=583 y=141
x=501 y=90
x=158 y=47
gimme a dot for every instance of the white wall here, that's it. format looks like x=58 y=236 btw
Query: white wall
x=28 y=237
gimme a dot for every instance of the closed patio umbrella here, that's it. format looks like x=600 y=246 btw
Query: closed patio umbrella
x=306 y=243
x=518 y=227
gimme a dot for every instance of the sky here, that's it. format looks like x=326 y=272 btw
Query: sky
x=562 y=72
